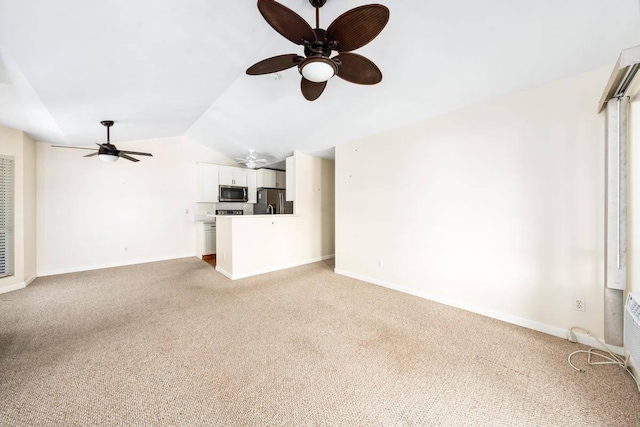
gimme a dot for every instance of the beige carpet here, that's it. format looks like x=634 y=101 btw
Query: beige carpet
x=176 y=343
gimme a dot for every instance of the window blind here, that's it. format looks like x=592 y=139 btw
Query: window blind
x=7 y=176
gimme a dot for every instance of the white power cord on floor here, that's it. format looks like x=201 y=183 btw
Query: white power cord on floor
x=610 y=359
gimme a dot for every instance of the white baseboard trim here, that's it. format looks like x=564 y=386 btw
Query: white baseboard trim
x=29 y=280
x=505 y=317
x=224 y=272
x=632 y=367
x=237 y=276
x=111 y=265
x=14 y=287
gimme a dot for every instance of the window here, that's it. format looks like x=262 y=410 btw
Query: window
x=6 y=215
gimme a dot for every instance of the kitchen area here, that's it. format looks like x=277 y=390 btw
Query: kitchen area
x=235 y=191
x=254 y=221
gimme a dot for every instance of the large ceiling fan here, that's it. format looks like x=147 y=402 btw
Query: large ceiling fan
x=251 y=161
x=107 y=151
x=350 y=31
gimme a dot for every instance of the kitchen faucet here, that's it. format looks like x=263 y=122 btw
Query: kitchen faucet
x=270 y=208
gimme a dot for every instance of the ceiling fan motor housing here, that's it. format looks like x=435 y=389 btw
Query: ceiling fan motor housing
x=320 y=46
x=317 y=3
x=348 y=32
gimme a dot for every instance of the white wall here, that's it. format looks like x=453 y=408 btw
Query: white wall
x=30 y=208
x=633 y=262
x=89 y=211
x=15 y=143
x=252 y=245
x=497 y=208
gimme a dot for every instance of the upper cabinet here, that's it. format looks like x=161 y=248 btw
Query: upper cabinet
x=233 y=176
x=266 y=178
x=207 y=183
x=269 y=178
x=281 y=179
x=211 y=176
x=251 y=186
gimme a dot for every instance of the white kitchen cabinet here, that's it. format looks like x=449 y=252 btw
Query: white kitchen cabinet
x=281 y=179
x=240 y=177
x=233 y=176
x=252 y=185
x=205 y=238
x=266 y=178
x=207 y=183
x=226 y=176
x=269 y=178
x=290 y=194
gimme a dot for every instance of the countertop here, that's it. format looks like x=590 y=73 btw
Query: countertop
x=267 y=216
x=212 y=218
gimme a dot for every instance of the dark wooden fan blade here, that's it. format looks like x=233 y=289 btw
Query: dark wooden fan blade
x=275 y=64
x=356 y=68
x=124 y=156
x=77 y=148
x=108 y=148
x=312 y=90
x=285 y=21
x=357 y=27
x=136 y=153
x=91 y=155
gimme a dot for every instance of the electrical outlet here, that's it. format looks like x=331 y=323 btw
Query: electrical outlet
x=579 y=304
x=380 y=263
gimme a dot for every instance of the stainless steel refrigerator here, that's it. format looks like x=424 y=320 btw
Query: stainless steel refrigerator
x=272 y=200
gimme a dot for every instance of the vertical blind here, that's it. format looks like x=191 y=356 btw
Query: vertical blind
x=6 y=215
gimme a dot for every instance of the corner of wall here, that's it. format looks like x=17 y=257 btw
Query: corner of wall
x=30 y=207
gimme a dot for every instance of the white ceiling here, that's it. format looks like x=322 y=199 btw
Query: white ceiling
x=176 y=67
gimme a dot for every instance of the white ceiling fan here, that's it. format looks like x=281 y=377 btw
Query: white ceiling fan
x=251 y=161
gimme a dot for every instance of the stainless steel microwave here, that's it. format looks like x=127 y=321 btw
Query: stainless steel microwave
x=229 y=193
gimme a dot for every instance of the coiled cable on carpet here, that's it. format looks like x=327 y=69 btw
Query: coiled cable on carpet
x=610 y=358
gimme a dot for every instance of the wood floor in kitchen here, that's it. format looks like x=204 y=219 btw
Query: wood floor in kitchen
x=211 y=259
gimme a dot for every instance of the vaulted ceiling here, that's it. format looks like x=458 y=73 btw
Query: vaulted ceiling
x=177 y=67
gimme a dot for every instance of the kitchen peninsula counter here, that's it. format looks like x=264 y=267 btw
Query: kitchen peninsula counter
x=257 y=216
x=248 y=245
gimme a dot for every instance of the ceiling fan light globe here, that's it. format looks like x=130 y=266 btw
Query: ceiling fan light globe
x=251 y=165
x=317 y=69
x=108 y=158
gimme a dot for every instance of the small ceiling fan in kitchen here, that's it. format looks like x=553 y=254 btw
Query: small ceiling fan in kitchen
x=107 y=152
x=251 y=161
x=350 y=31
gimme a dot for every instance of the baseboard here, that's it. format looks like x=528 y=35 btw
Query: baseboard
x=111 y=265
x=592 y=342
x=632 y=367
x=14 y=287
x=224 y=272
x=272 y=269
x=505 y=317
